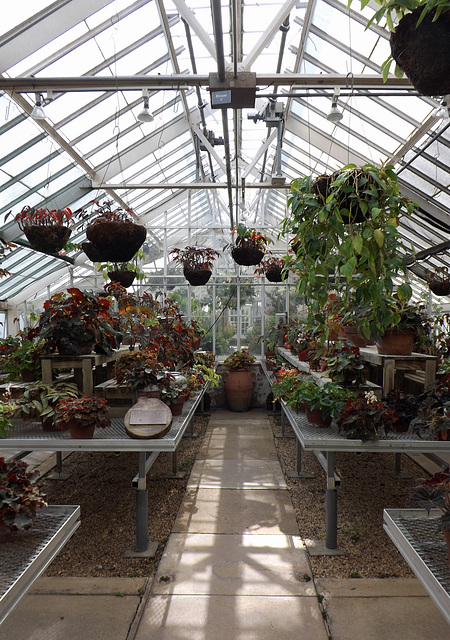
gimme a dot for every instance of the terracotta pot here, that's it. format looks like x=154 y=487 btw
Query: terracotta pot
x=317 y=418
x=238 y=385
x=350 y=333
x=397 y=343
x=81 y=433
x=197 y=277
x=75 y=348
x=423 y=52
x=49 y=239
x=176 y=408
x=247 y=255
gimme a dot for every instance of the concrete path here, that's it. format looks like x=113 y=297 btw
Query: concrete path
x=234 y=569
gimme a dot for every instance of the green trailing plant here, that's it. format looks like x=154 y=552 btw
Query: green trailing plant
x=358 y=260
x=240 y=359
x=20 y=495
x=85 y=411
x=435 y=493
x=364 y=417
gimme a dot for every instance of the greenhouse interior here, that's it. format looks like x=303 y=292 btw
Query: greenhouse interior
x=225 y=320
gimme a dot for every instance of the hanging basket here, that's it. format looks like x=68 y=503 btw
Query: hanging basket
x=276 y=274
x=117 y=241
x=94 y=253
x=125 y=278
x=424 y=52
x=439 y=286
x=197 y=277
x=247 y=255
x=49 y=239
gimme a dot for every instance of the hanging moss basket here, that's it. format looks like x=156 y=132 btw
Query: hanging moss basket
x=276 y=274
x=424 y=52
x=247 y=255
x=48 y=239
x=115 y=241
x=123 y=277
x=197 y=277
x=439 y=286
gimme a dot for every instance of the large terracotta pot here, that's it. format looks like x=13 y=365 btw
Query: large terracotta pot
x=350 y=333
x=397 y=343
x=238 y=385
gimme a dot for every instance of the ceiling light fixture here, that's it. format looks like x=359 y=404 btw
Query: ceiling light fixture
x=38 y=112
x=145 y=114
x=335 y=115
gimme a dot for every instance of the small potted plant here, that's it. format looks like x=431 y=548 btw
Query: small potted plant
x=76 y=321
x=432 y=420
x=346 y=366
x=139 y=370
x=112 y=236
x=82 y=416
x=364 y=417
x=409 y=324
x=273 y=268
x=435 y=493
x=23 y=362
x=7 y=412
x=197 y=263
x=46 y=230
x=20 y=496
x=239 y=380
x=321 y=401
x=39 y=401
x=249 y=245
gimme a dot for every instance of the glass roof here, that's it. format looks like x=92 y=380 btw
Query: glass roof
x=193 y=172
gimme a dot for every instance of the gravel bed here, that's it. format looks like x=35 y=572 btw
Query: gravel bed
x=101 y=484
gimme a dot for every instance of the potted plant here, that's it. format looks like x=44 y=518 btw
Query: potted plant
x=23 y=362
x=358 y=260
x=364 y=417
x=432 y=421
x=321 y=401
x=139 y=370
x=287 y=380
x=112 y=236
x=197 y=263
x=82 y=415
x=435 y=493
x=273 y=268
x=419 y=42
x=346 y=366
x=405 y=324
x=46 y=230
x=75 y=321
x=20 y=496
x=7 y=413
x=239 y=380
x=39 y=401
x=249 y=245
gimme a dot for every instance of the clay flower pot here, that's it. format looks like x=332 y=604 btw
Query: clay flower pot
x=397 y=343
x=238 y=385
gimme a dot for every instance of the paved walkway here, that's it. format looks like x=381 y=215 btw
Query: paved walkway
x=234 y=569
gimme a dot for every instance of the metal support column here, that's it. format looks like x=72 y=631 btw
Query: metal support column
x=331 y=504
x=143 y=548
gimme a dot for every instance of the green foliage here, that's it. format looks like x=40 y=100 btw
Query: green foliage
x=39 y=400
x=24 y=356
x=85 y=411
x=435 y=493
x=365 y=418
x=19 y=495
x=359 y=260
x=239 y=360
x=7 y=412
x=346 y=366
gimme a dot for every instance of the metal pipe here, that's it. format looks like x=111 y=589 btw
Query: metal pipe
x=284 y=29
x=216 y=11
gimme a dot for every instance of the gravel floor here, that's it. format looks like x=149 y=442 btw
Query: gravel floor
x=108 y=514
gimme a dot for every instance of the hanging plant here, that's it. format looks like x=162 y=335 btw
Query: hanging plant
x=359 y=261
x=273 y=268
x=249 y=245
x=46 y=230
x=112 y=236
x=420 y=42
x=439 y=282
x=197 y=263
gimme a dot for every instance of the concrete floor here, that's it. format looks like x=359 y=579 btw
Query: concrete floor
x=234 y=568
